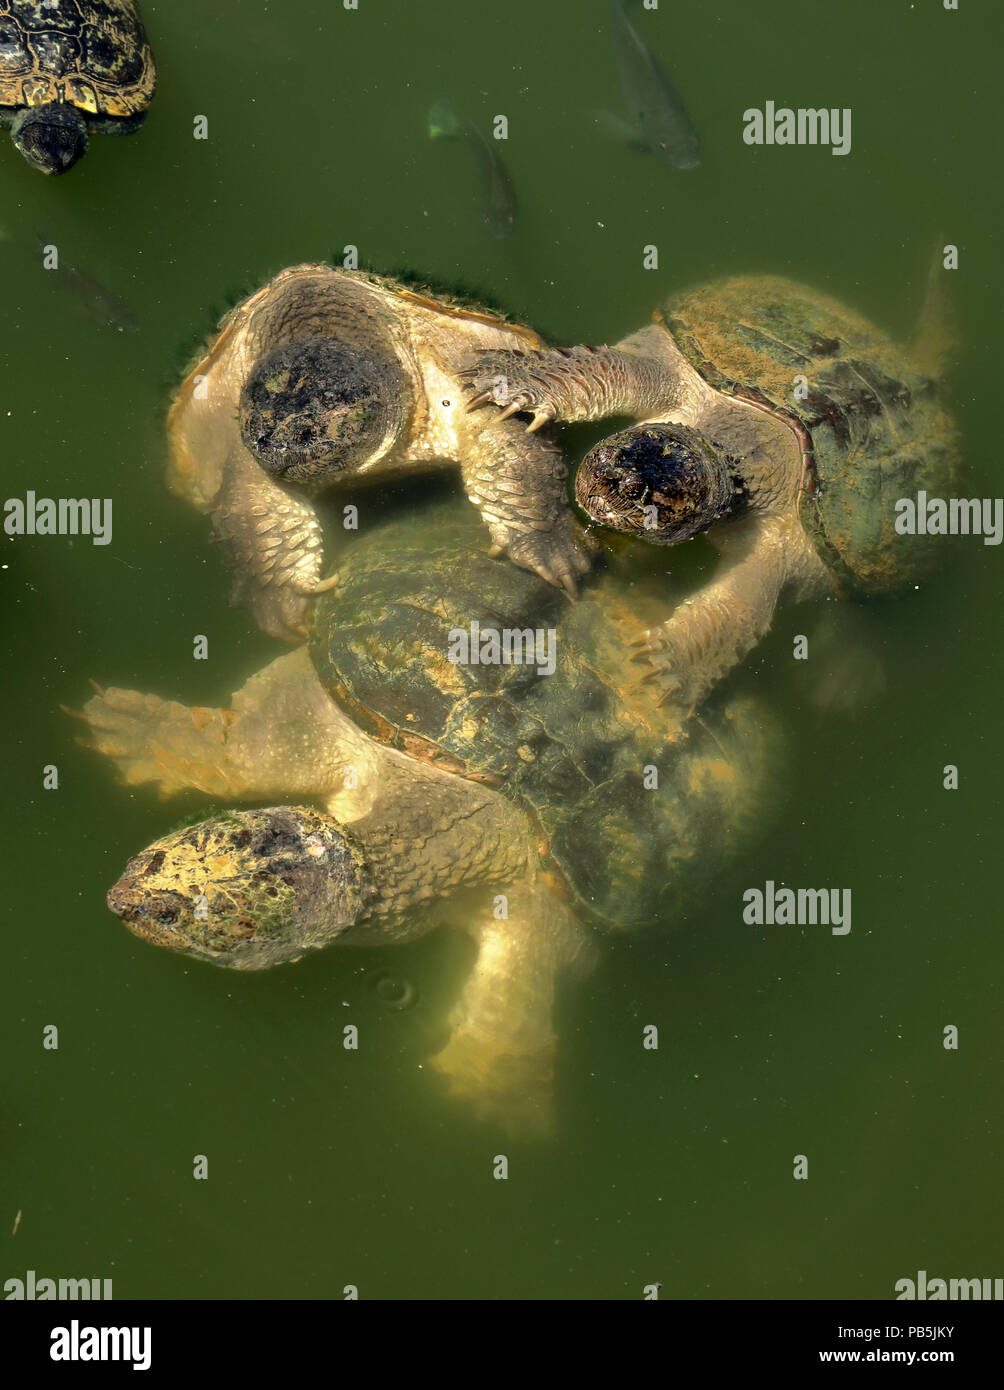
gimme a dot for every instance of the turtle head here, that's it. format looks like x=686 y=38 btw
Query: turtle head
x=316 y=407
x=662 y=483
x=51 y=137
x=247 y=889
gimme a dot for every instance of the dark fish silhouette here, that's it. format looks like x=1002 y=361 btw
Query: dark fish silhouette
x=499 y=195
x=99 y=301
x=657 y=116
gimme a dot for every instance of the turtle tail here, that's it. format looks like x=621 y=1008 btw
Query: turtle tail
x=936 y=339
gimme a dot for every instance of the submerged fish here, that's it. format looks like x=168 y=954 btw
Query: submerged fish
x=657 y=115
x=100 y=302
x=499 y=195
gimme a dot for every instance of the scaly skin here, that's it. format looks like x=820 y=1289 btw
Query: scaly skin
x=647 y=378
x=395 y=836
x=579 y=383
x=710 y=633
x=413 y=350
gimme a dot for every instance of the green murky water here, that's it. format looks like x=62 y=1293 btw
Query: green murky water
x=329 y=1168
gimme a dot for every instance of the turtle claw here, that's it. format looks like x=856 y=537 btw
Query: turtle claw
x=664 y=664
x=513 y=409
x=568 y=584
x=559 y=556
x=320 y=586
x=478 y=402
x=540 y=418
x=672 y=685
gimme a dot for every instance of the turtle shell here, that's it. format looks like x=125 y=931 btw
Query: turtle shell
x=574 y=748
x=869 y=420
x=91 y=54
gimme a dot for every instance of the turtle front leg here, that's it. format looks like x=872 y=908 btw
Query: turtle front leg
x=712 y=632
x=273 y=545
x=500 y=1057
x=519 y=486
x=282 y=734
x=637 y=378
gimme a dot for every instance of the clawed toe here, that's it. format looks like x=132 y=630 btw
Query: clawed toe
x=540 y=418
x=663 y=672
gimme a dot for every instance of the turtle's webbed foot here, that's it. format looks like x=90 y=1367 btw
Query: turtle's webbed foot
x=281 y=611
x=161 y=741
x=515 y=1091
x=519 y=485
x=671 y=666
x=560 y=555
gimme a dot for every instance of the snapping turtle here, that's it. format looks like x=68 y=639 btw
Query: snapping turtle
x=68 y=67
x=760 y=401
x=331 y=374
x=523 y=807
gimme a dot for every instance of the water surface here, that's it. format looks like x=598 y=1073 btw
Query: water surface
x=328 y=1168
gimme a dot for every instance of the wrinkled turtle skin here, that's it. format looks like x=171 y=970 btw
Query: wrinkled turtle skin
x=877 y=425
x=770 y=414
x=67 y=69
x=568 y=747
x=395 y=791
x=327 y=377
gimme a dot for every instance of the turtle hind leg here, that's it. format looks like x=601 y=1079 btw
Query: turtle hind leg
x=845 y=649
x=501 y=1053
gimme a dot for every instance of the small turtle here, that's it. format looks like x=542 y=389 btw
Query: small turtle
x=763 y=402
x=329 y=374
x=521 y=806
x=69 y=67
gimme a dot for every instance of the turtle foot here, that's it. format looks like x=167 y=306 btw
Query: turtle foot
x=560 y=555
x=671 y=669
x=281 y=611
x=154 y=740
x=514 y=1091
x=508 y=379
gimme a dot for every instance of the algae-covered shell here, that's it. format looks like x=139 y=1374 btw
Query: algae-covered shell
x=91 y=54
x=869 y=420
x=585 y=750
